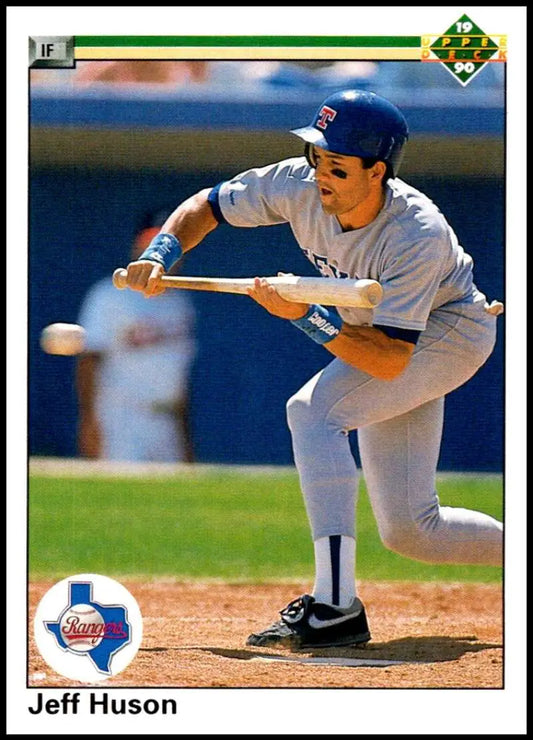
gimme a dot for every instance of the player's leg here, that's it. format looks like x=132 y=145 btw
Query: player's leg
x=138 y=435
x=332 y=614
x=341 y=398
x=163 y=440
x=399 y=458
x=329 y=480
x=319 y=418
x=119 y=431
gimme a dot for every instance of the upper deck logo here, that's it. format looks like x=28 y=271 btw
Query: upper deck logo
x=464 y=49
x=95 y=630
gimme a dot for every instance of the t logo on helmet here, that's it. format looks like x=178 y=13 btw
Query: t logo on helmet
x=326 y=115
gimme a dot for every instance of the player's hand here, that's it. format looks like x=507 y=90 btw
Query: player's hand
x=143 y=275
x=268 y=297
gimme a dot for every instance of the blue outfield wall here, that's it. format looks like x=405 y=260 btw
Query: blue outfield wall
x=79 y=108
x=249 y=363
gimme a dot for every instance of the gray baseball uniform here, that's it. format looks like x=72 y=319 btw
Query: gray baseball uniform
x=133 y=335
x=428 y=288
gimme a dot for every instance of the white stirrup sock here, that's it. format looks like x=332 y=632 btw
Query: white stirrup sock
x=335 y=570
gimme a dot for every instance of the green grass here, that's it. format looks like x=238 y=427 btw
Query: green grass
x=228 y=526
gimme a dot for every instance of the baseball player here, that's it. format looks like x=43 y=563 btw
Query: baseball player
x=391 y=366
x=126 y=336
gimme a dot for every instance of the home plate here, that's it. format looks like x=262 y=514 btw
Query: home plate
x=309 y=660
x=352 y=662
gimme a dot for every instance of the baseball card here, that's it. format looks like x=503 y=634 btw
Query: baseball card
x=268 y=428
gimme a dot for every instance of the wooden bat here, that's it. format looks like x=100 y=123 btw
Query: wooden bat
x=329 y=291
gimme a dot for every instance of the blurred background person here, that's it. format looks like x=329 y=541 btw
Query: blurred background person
x=128 y=339
x=127 y=72
x=139 y=71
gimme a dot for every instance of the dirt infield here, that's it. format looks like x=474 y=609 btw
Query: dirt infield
x=424 y=635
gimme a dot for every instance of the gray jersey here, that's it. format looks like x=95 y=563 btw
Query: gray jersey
x=409 y=247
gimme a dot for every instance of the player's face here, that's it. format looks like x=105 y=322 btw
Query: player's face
x=343 y=183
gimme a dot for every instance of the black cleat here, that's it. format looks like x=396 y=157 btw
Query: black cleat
x=308 y=623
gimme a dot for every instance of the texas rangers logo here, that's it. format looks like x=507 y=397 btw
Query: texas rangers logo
x=87 y=628
x=325 y=117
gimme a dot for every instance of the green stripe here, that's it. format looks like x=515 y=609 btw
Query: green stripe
x=281 y=41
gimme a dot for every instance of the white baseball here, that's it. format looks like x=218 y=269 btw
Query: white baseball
x=82 y=627
x=63 y=339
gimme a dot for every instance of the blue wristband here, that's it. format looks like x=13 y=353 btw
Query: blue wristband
x=165 y=249
x=319 y=324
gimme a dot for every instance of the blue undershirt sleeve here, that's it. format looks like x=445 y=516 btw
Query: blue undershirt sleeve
x=408 y=335
x=212 y=199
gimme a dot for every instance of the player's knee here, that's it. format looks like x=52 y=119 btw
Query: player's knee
x=397 y=539
x=299 y=412
x=306 y=412
x=411 y=539
x=408 y=539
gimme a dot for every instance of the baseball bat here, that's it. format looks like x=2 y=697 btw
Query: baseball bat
x=329 y=291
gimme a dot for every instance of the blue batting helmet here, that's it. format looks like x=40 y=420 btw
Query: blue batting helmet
x=358 y=123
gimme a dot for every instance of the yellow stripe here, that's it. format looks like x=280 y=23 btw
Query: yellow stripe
x=254 y=52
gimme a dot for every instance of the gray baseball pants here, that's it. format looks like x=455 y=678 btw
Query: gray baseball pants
x=399 y=425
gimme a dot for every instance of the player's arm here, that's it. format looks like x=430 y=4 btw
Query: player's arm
x=183 y=230
x=258 y=197
x=370 y=349
x=367 y=348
